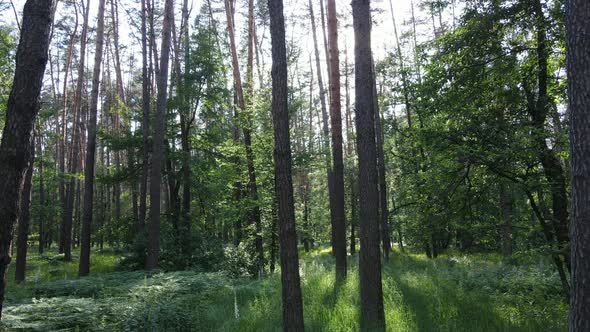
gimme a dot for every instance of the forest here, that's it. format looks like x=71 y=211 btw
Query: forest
x=285 y=165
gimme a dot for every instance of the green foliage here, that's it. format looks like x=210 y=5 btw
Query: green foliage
x=451 y=293
x=7 y=52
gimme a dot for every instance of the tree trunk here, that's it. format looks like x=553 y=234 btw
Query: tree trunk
x=73 y=166
x=325 y=120
x=383 y=211
x=372 y=314
x=21 y=111
x=350 y=154
x=158 y=142
x=24 y=220
x=578 y=71
x=41 y=248
x=61 y=147
x=291 y=290
x=145 y=120
x=84 y=266
x=338 y=214
x=254 y=211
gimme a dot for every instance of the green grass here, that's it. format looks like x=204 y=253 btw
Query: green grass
x=451 y=293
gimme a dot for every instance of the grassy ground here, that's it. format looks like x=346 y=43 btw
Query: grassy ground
x=451 y=293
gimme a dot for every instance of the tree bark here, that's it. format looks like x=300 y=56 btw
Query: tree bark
x=158 y=142
x=84 y=266
x=291 y=290
x=21 y=111
x=578 y=71
x=372 y=314
x=338 y=214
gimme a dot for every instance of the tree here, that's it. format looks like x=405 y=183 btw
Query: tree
x=84 y=267
x=74 y=156
x=253 y=211
x=372 y=314
x=292 y=302
x=153 y=252
x=379 y=137
x=23 y=105
x=578 y=71
x=337 y=210
x=145 y=120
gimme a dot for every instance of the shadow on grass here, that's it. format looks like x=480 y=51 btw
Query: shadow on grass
x=436 y=302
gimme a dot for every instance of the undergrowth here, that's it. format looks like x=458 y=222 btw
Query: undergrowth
x=451 y=293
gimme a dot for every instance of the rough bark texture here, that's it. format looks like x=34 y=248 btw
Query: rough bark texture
x=153 y=252
x=578 y=71
x=338 y=215
x=291 y=290
x=22 y=108
x=372 y=315
x=84 y=267
x=23 y=222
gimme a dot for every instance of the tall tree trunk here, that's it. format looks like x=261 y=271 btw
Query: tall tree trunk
x=338 y=214
x=61 y=147
x=291 y=290
x=578 y=72
x=185 y=138
x=73 y=166
x=350 y=152
x=158 y=142
x=372 y=314
x=84 y=266
x=325 y=120
x=145 y=120
x=254 y=211
x=405 y=83
x=42 y=202
x=21 y=111
x=24 y=220
x=119 y=100
x=383 y=212
x=326 y=51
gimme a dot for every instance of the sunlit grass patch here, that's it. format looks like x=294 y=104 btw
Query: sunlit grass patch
x=451 y=293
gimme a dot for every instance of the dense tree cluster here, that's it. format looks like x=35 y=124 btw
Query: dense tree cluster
x=189 y=139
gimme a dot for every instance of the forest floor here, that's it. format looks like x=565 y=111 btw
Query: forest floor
x=478 y=292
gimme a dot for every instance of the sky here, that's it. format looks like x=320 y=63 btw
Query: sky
x=297 y=25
